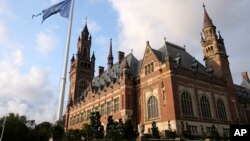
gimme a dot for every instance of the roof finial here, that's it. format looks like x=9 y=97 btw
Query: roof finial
x=165 y=39
x=204 y=6
x=86 y=20
x=131 y=51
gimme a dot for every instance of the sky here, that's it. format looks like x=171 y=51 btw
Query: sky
x=31 y=53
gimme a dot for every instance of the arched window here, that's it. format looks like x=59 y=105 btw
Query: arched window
x=221 y=110
x=152 y=106
x=186 y=104
x=205 y=107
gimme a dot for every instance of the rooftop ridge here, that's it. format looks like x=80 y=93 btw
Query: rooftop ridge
x=175 y=45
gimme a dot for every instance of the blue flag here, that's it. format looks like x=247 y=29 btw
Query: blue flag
x=61 y=7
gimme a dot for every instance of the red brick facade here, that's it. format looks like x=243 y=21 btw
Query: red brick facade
x=167 y=86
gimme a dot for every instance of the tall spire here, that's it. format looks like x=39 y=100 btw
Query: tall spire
x=93 y=56
x=207 y=21
x=85 y=31
x=110 y=56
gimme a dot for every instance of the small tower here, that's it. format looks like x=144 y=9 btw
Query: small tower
x=93 y=63
x=82 y=66
x=110 y=57
x=214 y=51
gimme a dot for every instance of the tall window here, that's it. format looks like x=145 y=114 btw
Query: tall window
x=186 y=104
x=97 y=109
x=103 y=109
x=88 y=114
x=205 y=107
x=81 y=117
x=78 y=118
x=221 y=110
x=109 y=107
x=152 y=105
x=116 y=105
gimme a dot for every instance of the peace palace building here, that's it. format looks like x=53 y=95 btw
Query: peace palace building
x=167 y=86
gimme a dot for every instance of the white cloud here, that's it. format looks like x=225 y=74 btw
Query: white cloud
x=46 y=41
x=28 y=93
x=181 y=22
x=24 y=89
x=18 y=57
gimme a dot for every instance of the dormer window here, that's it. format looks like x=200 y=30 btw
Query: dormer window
x=149 y=68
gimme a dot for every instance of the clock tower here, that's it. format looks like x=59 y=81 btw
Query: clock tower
x=82 y=67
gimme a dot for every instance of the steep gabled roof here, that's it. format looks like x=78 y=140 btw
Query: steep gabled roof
x=173 y=51
x=243 y=94
x=112 y=74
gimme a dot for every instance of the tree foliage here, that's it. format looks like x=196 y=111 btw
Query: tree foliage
x=98 y=129
x=155 y=131
x=43 y=131
x=57 y=132
x=19 y=128
x=112 y=131
x=15 y=128
x=72 y=135
x=87 y=132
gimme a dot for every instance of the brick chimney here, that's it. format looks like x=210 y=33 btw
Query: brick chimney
x=120 y=56
x=101 y=70
x=245 y=76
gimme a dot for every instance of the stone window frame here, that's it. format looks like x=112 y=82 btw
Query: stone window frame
x=153 y=107
x=149 y=68
x=102 y=109
x=221 y=109
x=88 y=114
x=116 y=104
x=187 y=104
x=109 y=107
x=205 y=107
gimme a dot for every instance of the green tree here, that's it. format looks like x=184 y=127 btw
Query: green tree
x=155 y=131
x=121 y=128
x=112 y=130
x=15 y=128
x=214 y=133
x=73 y=135
x=43 y=131
x=87 y=132
x=130 y=132
x=57 y=132
x=98 y=129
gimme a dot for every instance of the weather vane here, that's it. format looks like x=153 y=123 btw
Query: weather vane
x=86 y=20
x=203 y=5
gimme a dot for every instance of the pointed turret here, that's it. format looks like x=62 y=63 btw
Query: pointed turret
x=85 y=32
x=73 y=58
x=126 y=64
x=214 y=51
x=207 y=21
x=110 y=56
x=93 y=56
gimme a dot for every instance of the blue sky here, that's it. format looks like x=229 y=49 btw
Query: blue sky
x=31 y=53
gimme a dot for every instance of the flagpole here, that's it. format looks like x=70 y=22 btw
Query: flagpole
x=64 y=74
x=3 y=128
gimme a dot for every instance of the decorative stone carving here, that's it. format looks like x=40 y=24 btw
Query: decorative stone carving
x=141 y=129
